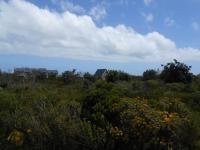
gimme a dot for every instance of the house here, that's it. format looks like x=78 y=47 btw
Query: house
x=101 y=74
x=35 y=72
x=22 y=72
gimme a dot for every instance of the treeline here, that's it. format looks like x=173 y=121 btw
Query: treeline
x=159 y=110
x=172 y=72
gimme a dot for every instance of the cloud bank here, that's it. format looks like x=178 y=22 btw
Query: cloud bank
x=27 y=29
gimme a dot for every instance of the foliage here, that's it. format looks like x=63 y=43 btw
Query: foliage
x=124 y=112
x=69 y=76
x=149 y=75
x=114 y=76
x=176 y=72
x=97 y=104
x=144 y=127
x=89 y=77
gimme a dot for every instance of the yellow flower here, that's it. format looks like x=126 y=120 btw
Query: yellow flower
x=16 y=137
x=162 y=142
x=167 y=120
x=29 y=131
x=116 y=132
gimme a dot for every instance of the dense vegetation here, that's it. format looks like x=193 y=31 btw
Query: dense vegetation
x=84 y=113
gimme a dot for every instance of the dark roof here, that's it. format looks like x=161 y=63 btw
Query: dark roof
x=100 y=72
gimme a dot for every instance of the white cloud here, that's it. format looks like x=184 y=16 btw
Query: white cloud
x=148 y=17
x=147 y=2
x=195 y=26
x=28 y=29
x=66 y=5
x=169 y=22
x=98 y=12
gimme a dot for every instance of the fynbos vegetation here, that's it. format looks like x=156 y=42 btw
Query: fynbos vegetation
x=112 y=110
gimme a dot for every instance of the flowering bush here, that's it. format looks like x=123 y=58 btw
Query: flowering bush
x=145 y=127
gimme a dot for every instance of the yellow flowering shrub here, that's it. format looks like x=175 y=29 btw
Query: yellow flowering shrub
x=147 y=126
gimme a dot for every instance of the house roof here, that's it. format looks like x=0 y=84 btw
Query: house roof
x=100 y=72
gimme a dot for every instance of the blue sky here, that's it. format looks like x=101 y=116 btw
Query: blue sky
x=130 y=35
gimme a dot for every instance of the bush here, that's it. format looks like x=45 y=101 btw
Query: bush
x=89 y=77
x=97 y=104
x=149 y=75
x=69 y=76
x=114 y=76
x=144 y=127
x=193 y=99
x=123 y=76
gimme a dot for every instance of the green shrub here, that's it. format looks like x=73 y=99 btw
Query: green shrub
x=150 y=75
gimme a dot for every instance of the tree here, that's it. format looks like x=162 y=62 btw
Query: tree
x=176 y=72
x=149 y=75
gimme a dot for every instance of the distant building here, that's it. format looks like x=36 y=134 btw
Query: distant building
x=22 y=72
x=35 y=72
x=101 y=74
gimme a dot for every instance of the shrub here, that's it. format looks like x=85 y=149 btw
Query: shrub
x=69 y=76
x=114 y=76
x=149 y=75
x=123 y=76
x=144 y=127
x=97 y=104
x=89 y=77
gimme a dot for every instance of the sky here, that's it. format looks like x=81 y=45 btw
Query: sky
x=128 y=35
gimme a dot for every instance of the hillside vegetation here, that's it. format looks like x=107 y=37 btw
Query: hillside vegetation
x=124 y=112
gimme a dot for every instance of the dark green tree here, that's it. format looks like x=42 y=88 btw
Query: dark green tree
x=176 y=72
